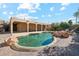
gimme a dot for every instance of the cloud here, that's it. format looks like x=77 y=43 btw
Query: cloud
x=11 y=13
x=29 y=6
x=67 y=19
x=25 y=6
x=72 y=18
x=8 y=13
x=62 y=8
x=52 y=8
x=3 y=6
x=37 y=6
x=22 y=15
x=34 y=17
x=5 y=13
x=42 y=15
x=32 y=11
x=65 y=4
x=25 y=16
x=49 y=15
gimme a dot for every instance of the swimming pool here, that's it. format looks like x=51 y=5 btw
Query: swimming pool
x=35 y=40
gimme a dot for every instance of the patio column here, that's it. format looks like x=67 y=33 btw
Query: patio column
x=27 y=26
x=36 y=27
x=45 y=27
x=41 y=27
x=11 y=27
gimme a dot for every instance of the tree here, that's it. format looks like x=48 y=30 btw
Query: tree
x=60 y=26
x=55 y=26
x=64 y=25
x=70 y=22
x=76 y=14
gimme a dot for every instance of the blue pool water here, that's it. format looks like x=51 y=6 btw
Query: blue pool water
x=35 y=40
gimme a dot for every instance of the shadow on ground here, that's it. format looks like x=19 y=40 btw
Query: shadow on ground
x=3 y=45
x=76 y=38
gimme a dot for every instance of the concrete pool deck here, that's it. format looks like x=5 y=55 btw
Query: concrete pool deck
x=27 y=33
x=7 y=51
x=63 y=42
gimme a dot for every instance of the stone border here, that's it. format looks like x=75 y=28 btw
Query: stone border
x=17 y=47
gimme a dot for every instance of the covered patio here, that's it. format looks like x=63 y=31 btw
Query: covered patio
x=21 y=25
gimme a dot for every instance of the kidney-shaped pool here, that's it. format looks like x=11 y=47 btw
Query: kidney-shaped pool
x=35 y=40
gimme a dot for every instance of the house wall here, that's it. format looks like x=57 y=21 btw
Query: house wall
x=1 y=26
x=21 y=27
x=43 y=27
x=38 y=27
x=32 y=27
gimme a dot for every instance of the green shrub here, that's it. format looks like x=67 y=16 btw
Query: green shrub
x=60 y=26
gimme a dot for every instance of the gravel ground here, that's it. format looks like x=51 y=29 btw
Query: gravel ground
x=71 y=50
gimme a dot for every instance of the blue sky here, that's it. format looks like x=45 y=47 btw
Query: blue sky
x=42 y=12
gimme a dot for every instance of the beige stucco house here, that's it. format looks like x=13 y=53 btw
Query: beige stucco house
x=1 y=26
x=24 y=25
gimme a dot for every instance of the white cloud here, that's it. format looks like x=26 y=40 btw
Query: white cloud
x=33 y=17
x=9 y=17
x=3 y=6
x=25 y=16
x=11 y=13
x=25 y=6
x=22 y=15
x=72 y=18
x=62 y=8
x=37 y=5
x=32 y=11
x=52 y=8
x=42 y=15
x=65 y=4
x=67 y=19
x=5 y=13
x=49 y=15
x=29 y=6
